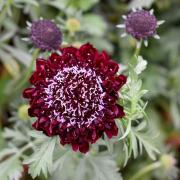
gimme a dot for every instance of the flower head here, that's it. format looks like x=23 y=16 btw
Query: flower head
x=45 y=35
x=74 y=95
x=141 y=24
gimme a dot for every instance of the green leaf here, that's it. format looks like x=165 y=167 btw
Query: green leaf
x=141 y=65
x=84 y=5
x=175 y=114
x=32 y=2
x=97 y=168
x=15 y=135
x=42 y=159
x=10 y=64
x=21 y=56
x=141 y=3
x=11 y=168
x=145 y=140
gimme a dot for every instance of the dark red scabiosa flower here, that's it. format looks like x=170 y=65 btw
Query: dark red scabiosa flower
x=141 y=24
x=74 y=95
x=45 y=35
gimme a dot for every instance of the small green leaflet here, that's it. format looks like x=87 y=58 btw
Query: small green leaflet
x=42 y=159
x=143 y=139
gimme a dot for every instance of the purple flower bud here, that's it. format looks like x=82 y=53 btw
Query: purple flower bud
x=45 y=35
x=141 y=24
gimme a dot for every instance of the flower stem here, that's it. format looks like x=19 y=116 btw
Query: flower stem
x=136 y=53
x=146 y=170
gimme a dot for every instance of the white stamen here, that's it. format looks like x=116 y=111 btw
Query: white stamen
x=138 y=45
x=160 y=22
x=124 y=17
x=156 y=36
x=121 y=26
x=134 y=9
x=28 y=24
x=25 y=39
x=146 y=43
x=152 y=11
x=123 y=35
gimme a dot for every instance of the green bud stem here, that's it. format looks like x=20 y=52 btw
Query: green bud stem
x=146 y=170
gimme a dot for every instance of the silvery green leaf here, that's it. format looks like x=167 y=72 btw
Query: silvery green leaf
x=146 y=140
x=141 y=65
x=128 y=129
x=37 y=134
x=134 y=145
x=67 y=167
x=15 y=135
x=100 y=167
x=140 y=3
x=11 y=168
x=42 y=159
x=58 y=164
x=7 y=151
x=105 y=168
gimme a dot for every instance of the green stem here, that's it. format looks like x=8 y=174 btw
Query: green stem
x=138 y=49
x=136 y=53
x=28 y=72
x=146 y=170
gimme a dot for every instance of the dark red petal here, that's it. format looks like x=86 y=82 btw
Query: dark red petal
x=84 y=148
x=112 y=67
x=119 y=112
x=75 y=146
x=27 y=93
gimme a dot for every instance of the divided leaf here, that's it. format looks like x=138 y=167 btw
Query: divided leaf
x=42 y=159
x=97 y=168
x=11 y=169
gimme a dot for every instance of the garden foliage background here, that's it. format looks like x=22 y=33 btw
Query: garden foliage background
x=94 y=21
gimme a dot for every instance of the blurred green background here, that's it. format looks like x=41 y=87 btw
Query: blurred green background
x=94 y=21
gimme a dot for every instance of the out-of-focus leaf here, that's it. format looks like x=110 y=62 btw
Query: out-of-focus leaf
x=15 y=135
x=7 y=35
x=11 y=168
x=10 y=64
x=101 y=43
x=20 y=55
x=175 y=114
x=32 y=2
x=84 y=5
x=141 y=3
x=93 y=24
